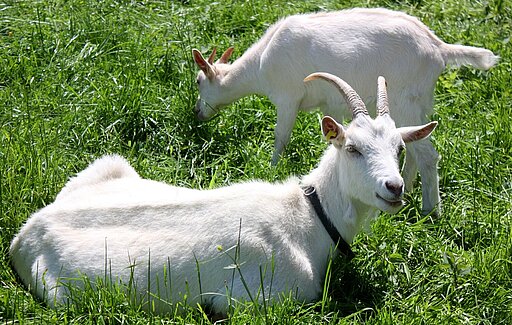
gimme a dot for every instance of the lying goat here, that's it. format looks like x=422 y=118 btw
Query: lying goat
x=358 y=45
x=253 y=240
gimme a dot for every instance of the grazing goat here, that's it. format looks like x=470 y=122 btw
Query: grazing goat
x=358 y=45
x=252 y=240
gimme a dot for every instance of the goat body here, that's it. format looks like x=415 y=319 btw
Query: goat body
x=358 y=45
x=252 y=240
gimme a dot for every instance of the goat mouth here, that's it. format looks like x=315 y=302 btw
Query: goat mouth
x=394 y=203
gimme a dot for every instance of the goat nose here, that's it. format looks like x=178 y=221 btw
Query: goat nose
x=395 y=187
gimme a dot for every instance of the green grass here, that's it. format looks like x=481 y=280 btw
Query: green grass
x=79 y=79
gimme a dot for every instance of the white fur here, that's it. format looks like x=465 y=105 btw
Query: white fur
x=357 y=45
x=109 y=223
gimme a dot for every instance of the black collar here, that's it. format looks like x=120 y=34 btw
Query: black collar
x=341 y=244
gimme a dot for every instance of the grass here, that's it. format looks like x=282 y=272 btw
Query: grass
x=79 y=79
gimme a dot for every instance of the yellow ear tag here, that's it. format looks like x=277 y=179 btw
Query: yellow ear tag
x=331 y=134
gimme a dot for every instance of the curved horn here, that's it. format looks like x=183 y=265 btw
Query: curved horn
x=226 y=55
x=354 y=102
x=382 y=97
x=211 y=58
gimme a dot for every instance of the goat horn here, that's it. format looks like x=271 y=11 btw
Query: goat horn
x=354 y=102
x=382 y=97
x=211 y=58
x=226 y=55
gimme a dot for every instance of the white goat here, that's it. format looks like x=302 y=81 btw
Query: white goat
x=109 y=223
x=358 y=45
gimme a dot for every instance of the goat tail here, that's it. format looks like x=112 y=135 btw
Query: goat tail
x=477 y=57
x=106 y=168
x=109 y=167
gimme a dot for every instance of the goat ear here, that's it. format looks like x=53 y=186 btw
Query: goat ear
x=414 y=133
x=204 y=65
x=332 y=130
x=226 y=55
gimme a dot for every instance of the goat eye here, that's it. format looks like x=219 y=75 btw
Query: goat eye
x=352 y=149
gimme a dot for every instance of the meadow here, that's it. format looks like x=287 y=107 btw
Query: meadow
x=79 y=79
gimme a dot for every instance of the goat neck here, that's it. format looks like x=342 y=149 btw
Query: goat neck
x=347 y=214
x=243 y=76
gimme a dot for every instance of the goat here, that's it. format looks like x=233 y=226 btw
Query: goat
x=252 y=240
x=357 y=45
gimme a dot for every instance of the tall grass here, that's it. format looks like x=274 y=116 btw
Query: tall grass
x=79 y=79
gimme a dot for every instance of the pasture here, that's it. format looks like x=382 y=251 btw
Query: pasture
x=79 y=79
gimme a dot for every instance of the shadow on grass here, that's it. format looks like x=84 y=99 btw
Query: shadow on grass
x=351 y=292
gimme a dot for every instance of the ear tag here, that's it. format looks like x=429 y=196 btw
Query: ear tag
x=331 y=134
